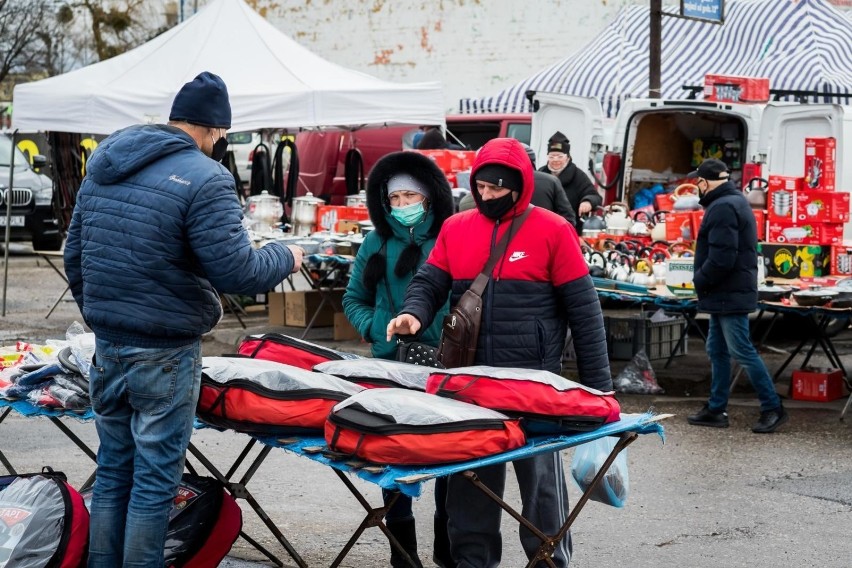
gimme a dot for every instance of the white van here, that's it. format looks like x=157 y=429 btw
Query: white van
x=657 y=140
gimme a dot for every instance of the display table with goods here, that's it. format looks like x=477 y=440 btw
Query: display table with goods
x=400 y=436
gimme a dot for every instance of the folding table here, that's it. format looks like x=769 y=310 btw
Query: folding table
x=324 y=273
x=408 y=480
x=821 y=317
x=27 y=409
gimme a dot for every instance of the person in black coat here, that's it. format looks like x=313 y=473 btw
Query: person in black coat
x=580 y=191
x=725 y=280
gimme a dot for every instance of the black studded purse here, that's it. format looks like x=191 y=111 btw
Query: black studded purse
x=417 y=353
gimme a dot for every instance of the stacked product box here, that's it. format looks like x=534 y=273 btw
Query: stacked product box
x=806 y=214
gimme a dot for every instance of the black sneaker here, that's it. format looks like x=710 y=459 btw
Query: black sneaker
x=707 y=417
x=770 y=420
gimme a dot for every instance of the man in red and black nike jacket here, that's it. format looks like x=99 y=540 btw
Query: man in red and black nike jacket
x=540 y=286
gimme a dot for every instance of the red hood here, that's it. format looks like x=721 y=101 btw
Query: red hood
x=507 y=152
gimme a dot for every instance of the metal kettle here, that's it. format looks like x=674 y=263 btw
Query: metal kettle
x=305 y=213
x=756 y=192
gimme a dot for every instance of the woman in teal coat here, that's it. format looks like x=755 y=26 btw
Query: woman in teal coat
x=408 y=198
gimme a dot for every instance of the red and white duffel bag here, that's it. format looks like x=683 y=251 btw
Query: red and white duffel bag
x=548 y=402
x=378 y=373
x=407 y=427
x=268 y=398
x=289 y=350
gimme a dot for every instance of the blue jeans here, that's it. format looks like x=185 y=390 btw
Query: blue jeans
x=144 y=401
x=729 y=336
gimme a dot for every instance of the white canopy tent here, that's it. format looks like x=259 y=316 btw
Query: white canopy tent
x=273 y=82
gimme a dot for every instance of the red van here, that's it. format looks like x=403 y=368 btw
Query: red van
x=323 y=161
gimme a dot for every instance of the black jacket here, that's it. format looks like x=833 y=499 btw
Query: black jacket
x=577 y=186
x=726 y=253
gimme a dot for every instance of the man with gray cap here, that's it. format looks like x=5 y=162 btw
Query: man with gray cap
x=155 y=236
x=726 y=284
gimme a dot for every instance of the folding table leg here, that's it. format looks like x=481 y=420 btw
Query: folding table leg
x=3 y=459
x=240 y=491
x=372 y=519
x=549 y=543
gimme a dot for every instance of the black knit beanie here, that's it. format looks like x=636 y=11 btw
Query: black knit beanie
x=203 y=101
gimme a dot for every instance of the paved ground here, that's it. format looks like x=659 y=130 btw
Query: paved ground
x=705 y=498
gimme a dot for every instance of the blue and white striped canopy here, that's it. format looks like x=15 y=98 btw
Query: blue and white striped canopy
x=798 y=44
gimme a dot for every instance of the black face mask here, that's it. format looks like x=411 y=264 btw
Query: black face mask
x=220 y=147
x=496 y=208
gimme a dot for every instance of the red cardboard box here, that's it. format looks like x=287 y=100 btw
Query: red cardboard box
x=781 y=204
x=697 y=217
x=830 y=233
x=822 y=206
x=841 y=259
x=679 y=226
x=786 y=182
x=787 y=232
x=329 y=216
x=734 y=89
x=820 y=163
x=820 y=385
x=751 y=170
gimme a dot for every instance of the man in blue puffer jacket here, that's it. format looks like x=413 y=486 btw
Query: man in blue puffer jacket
x=156 y=234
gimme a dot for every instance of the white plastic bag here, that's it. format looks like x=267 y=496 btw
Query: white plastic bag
x=588 y=459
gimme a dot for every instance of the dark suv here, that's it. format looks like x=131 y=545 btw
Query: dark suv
x=32 y=216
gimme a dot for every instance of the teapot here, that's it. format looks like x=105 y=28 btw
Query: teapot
x=658 y=232
x=593 y=223
x=643 y=222
x=597 y=265
x=643 y=275
x=620 y=268
x=756 y=192
x=617 y=218
x=686 y=197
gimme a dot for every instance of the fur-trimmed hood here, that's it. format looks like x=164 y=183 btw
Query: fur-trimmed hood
x=421 y=168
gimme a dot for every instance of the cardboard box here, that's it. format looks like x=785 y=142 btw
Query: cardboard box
x=301 y=305
x=820 y=163
x=736 y=89
x=789 y=232
x=789 y=183
x=841 y=259
x=820 y=385
x=343 y=330
x=329 y=216
x=276 y=306
x=830 y=233
x=821 y=206
x=679 y=226
x=794 y=261
x=781 y=202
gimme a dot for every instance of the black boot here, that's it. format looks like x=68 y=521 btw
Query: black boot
x=441 y=549
x=406 y=533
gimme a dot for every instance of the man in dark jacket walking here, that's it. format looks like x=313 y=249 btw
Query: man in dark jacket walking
x=726 y=283
x=156 y=234
x=539 y=288
x=580 y=191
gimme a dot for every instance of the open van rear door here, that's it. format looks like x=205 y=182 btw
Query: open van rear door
x=578 y=118
x=783 y=129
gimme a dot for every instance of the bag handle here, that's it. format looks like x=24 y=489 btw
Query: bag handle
x=481 y=280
